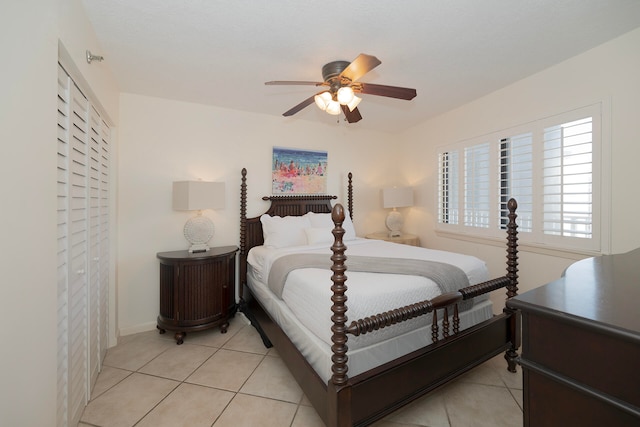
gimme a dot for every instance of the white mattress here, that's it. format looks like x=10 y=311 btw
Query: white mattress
x=304 y=312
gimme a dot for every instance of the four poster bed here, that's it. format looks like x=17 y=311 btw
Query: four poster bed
x=294 y=265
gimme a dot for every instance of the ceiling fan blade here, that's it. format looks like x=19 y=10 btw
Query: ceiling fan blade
x=388 y=91
x=300 y=106
x=351 y=116
x=360 y=66
x=291 y=83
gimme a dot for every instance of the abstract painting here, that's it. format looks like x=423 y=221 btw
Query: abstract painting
x=298 y=171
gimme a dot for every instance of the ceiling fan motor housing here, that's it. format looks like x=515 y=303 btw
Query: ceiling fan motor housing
x=333 y=69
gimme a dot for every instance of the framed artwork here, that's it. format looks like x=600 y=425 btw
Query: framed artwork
x=297 y=171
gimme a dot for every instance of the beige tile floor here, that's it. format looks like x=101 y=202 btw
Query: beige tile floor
x=230 y=379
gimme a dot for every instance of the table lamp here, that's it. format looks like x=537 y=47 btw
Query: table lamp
x=396 y=197
x=197 y=196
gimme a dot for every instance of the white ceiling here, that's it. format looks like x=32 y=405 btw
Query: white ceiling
x=451 y=51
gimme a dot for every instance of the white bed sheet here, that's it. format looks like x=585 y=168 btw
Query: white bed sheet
x=318 y=353
x=305 y=309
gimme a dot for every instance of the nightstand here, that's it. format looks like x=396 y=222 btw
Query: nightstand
x=197 y=290
x=405 y=238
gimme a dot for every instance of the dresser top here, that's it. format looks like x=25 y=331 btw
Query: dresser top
x=603 y=291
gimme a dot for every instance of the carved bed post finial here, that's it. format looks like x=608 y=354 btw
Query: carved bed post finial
x=339 y=308
x=512 y=249
x=350 y=195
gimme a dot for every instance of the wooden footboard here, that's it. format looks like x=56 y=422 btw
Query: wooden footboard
x=380 y=391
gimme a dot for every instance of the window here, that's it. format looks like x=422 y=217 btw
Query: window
x=550 y=166
x=568 y=179
x=477 y=207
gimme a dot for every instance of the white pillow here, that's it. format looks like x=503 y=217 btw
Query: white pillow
x=323 y=220
x=318 y=235
x=281 y=232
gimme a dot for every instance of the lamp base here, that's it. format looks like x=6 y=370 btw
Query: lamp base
x=194 y=249
x=394 y=223
x=198 y=231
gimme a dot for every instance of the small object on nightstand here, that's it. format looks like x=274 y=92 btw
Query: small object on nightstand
x=404 y=238
x=197 y=290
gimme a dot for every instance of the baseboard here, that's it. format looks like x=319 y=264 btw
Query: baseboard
x=143 y=327
x=151 y=326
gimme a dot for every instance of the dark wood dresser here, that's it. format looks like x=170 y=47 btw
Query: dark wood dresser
x=581 y=345
x=197 y=290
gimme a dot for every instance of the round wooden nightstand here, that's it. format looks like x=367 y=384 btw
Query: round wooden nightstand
x=405 y=238
x=197 y=290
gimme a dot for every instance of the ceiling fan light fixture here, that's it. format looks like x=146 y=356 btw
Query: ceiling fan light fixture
x=345 y=95
x=354 y=103
x=322 y=100
x=333 y=108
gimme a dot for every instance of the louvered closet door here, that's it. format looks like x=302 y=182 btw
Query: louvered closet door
x=104 y=200
x=98 y=192
x=83 y=256
x=63 y=245
x=94 y=245
x=78 y=251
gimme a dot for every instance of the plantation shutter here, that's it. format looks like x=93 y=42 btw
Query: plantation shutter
x=448 y=207
x=568 y=179
x=477 y=206
x=516 y=179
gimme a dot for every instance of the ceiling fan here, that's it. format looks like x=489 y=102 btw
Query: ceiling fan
x=341 y=85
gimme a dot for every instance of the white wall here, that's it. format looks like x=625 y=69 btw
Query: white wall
x=164 y=141
x=29 y=35
x=609 y=72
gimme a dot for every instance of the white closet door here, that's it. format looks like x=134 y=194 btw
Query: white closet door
x=63 y=245
x=94 y=245
x=78 y=263
x=83 y=248
x=105 y=205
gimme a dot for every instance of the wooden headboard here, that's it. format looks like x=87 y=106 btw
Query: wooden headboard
x=286 y=205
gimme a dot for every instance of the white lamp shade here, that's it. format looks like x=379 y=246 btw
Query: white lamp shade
x=354 y=103
x=333 y=108
x=322 y=100
x=397 y=197
x=345 y=95
x=198 y=195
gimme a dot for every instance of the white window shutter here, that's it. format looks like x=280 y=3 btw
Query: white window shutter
x=553 y=167
x=448 y=195
x=568 y=179
x=516 y=179
x=477 y=186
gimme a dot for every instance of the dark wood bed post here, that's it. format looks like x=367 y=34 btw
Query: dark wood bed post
x=511 y=355
x=243 y=234
x=339 y=412
x=350 y=195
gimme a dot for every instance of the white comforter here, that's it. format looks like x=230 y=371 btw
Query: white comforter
x=307 y=291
